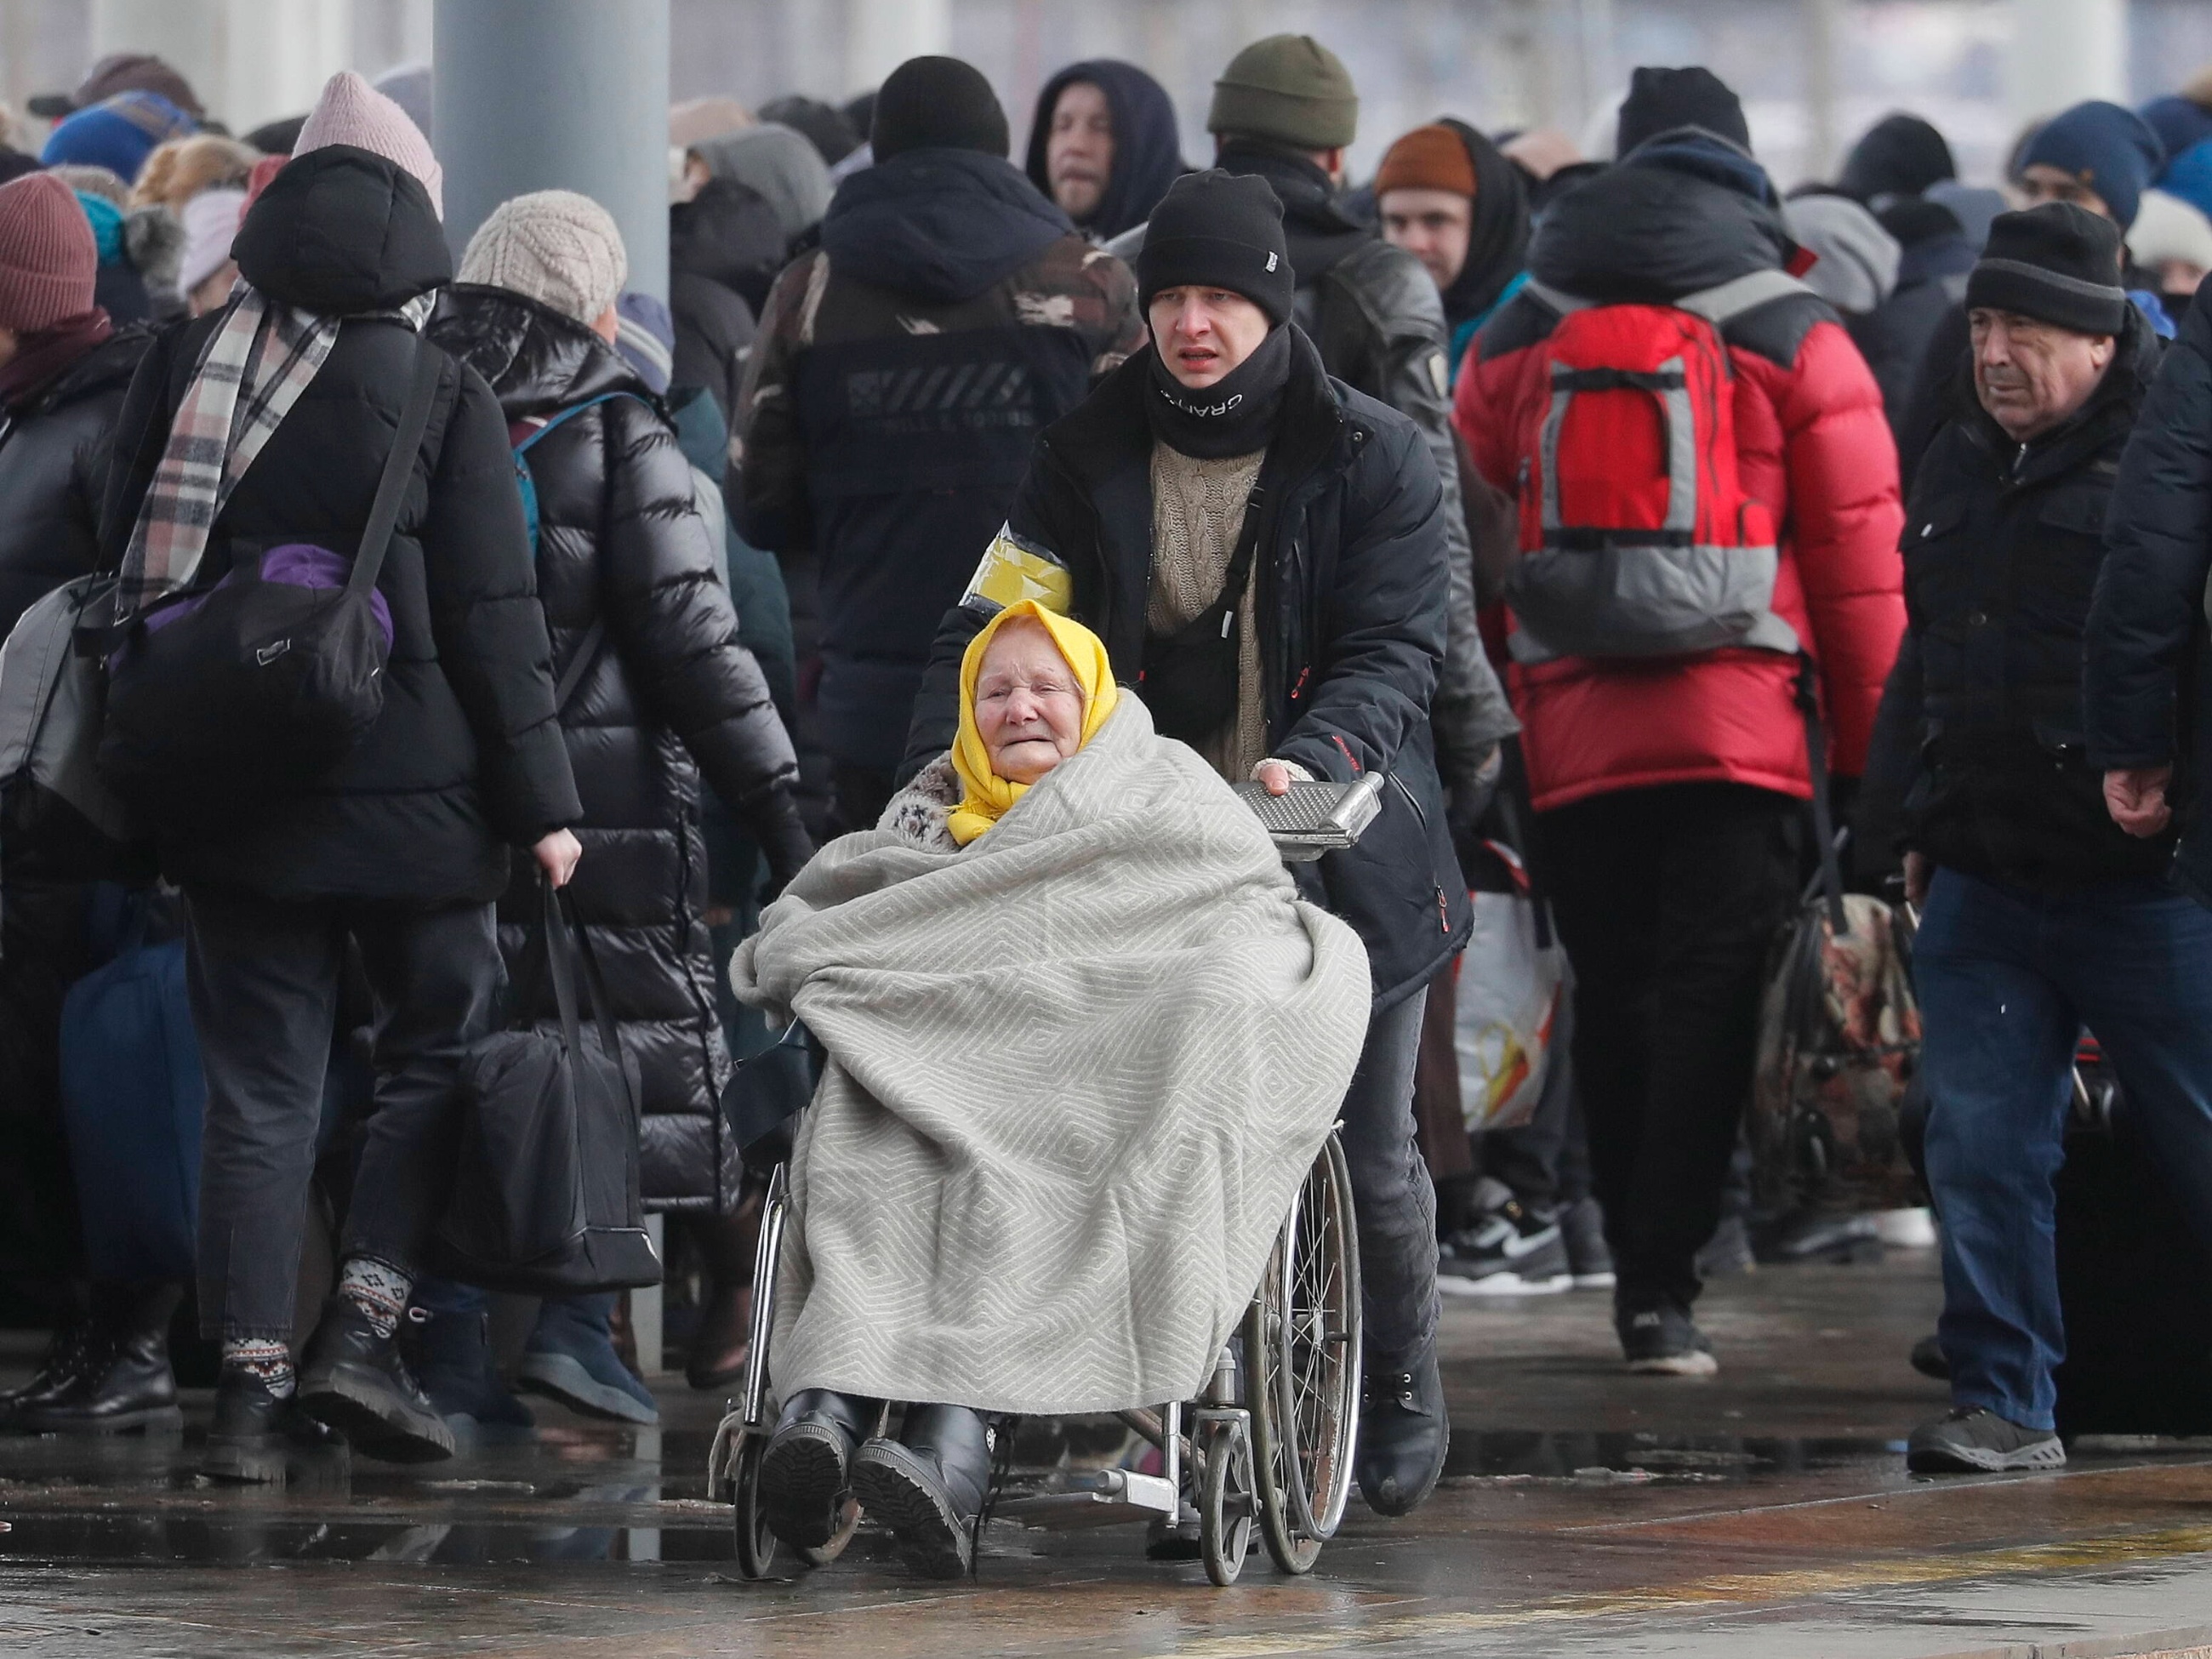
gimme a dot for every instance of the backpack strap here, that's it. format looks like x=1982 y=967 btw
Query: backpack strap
x=1558 y=301
x=1723 y=303
x=399 y=468
x=523 y=480
x=1823 y=817
x=572 y=676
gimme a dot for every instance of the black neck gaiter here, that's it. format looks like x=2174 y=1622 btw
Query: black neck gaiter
x=1235 y=416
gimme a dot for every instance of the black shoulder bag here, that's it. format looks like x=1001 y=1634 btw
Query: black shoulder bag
x=545 y=1196
x=271 y=677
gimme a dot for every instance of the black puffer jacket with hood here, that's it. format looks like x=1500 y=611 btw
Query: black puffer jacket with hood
x=670 y=694
x=466 y=759
x=902 y=373
x=53 y=471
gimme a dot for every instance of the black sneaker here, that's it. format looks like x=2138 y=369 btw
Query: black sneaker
x=1663 y=1341
x=1582 y=1227
x=1977 y=1441
x=258 y=1439
x=1727 y=1251
x=356 y=1380
x=1930 y=1359
x=1509 y=1251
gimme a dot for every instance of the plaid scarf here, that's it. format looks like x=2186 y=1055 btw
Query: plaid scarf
x=257 y=363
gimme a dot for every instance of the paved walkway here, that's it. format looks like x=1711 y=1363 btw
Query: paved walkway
x=1763 y=1512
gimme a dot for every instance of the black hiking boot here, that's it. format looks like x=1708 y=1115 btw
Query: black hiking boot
x=928 y=1485
x=806 y=1472
x=1975 y=1440
x=1404 y=1435
x=75 y=1349
x=256 y=1439
x=124 y=1383
x=356 y=1380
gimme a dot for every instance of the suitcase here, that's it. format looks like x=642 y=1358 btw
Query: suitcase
x=2135 y=1284
x=133 y=1099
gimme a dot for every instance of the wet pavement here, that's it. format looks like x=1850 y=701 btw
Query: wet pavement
x=1761 y=1512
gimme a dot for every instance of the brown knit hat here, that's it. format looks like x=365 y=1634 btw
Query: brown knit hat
x=47 y=258
x=1427 y=158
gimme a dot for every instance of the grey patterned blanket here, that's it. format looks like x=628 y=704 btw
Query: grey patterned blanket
x=1076 y=1071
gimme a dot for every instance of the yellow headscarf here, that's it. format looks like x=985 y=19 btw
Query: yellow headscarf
x=989 y=795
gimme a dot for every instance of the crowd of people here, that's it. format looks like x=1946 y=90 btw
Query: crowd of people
x=1615 y=508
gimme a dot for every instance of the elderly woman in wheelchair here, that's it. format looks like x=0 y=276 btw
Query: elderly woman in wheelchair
x=1082 y=1046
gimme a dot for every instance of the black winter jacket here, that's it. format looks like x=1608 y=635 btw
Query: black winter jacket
x=466 y=758
x=53 y=471
x=1931 y=280
x=2003 y=544
x=725 y=246
x=670 y=694
x=2146 y=695
x=1373 y=311
x=1352 y=595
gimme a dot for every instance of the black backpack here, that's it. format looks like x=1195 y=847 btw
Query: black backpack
x=271 y=677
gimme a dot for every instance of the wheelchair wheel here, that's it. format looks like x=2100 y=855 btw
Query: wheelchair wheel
x=756 y=1543
x=1227 y=1502
x=1303 y=1332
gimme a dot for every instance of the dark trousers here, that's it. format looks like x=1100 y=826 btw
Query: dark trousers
x=43 y=950
x=859 y=795
x=1391 y=1190
x=265 y=977
x=2007 y=979
x=1668 y=900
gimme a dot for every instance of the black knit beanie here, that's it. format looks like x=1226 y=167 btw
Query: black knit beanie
x=1216 y=229
x=1661 y=99
x=2059 y=263
x=937 y=103
x=1899 y=155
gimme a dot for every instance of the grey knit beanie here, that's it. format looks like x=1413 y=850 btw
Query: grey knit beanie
x=554 y=246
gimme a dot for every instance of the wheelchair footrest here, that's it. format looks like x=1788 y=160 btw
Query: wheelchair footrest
x=1110 y=1497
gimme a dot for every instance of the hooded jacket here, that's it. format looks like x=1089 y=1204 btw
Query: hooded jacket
x=2147 y=701
x=1983 y=720
x=53 y=468
x=903 y=371
x=466 y=758
x=1147 y=144
x=1351 y=578
x=1497 y=260
x=1677 y=216
x=670 y=694
x=724 y=249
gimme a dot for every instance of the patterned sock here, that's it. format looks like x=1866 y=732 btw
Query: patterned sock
x=264 y=1357
x=378 y=1289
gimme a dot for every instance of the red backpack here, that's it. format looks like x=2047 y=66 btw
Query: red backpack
x=1636 y=538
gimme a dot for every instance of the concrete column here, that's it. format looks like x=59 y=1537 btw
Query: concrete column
x=556 y=94
x=881 y=35
x=2063 y=52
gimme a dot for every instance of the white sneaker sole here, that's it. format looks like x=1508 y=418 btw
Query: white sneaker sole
x=1504 y=1285
x=1604 y=1281
x=1699 y=1364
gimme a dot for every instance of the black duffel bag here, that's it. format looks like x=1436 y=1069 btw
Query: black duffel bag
x=545 y=1196
x=271 y=677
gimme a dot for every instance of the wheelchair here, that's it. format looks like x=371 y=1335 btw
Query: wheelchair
x=1268 y=1443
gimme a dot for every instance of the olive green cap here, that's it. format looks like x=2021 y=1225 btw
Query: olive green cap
x=1290 y=88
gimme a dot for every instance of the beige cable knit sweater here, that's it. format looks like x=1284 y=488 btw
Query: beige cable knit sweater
x=1197 y=512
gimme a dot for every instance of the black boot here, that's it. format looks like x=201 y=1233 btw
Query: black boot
x=806 y=1472
x=1404 y=1433
x=256 y=1436
x=74 y=1349
x=928 y=1485
x=126 y=1384
x=356 y=1380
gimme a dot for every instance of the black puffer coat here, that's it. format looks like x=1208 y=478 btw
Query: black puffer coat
x=53 y=468
x=466 y=758
x=1353 y=582
x=2146 y=691
x=669 y=694
x=2003 y=544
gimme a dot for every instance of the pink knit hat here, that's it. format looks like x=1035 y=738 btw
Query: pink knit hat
x=47 y=257
x=352 y=112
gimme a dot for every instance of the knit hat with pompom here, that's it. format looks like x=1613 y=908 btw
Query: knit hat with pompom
x=554 y=246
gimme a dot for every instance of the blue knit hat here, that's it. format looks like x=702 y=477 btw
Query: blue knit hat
x=2189 y=176
x=117 y=133
x=2108 y=149
x=646 y=337
x=2179 y=122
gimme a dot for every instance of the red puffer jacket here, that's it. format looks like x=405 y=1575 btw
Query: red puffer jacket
x=1811 y=444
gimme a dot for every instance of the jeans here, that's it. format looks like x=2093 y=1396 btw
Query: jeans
x=1391 y=1190
x=2007 y=979
x=264 y=975
x=1668 y=900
